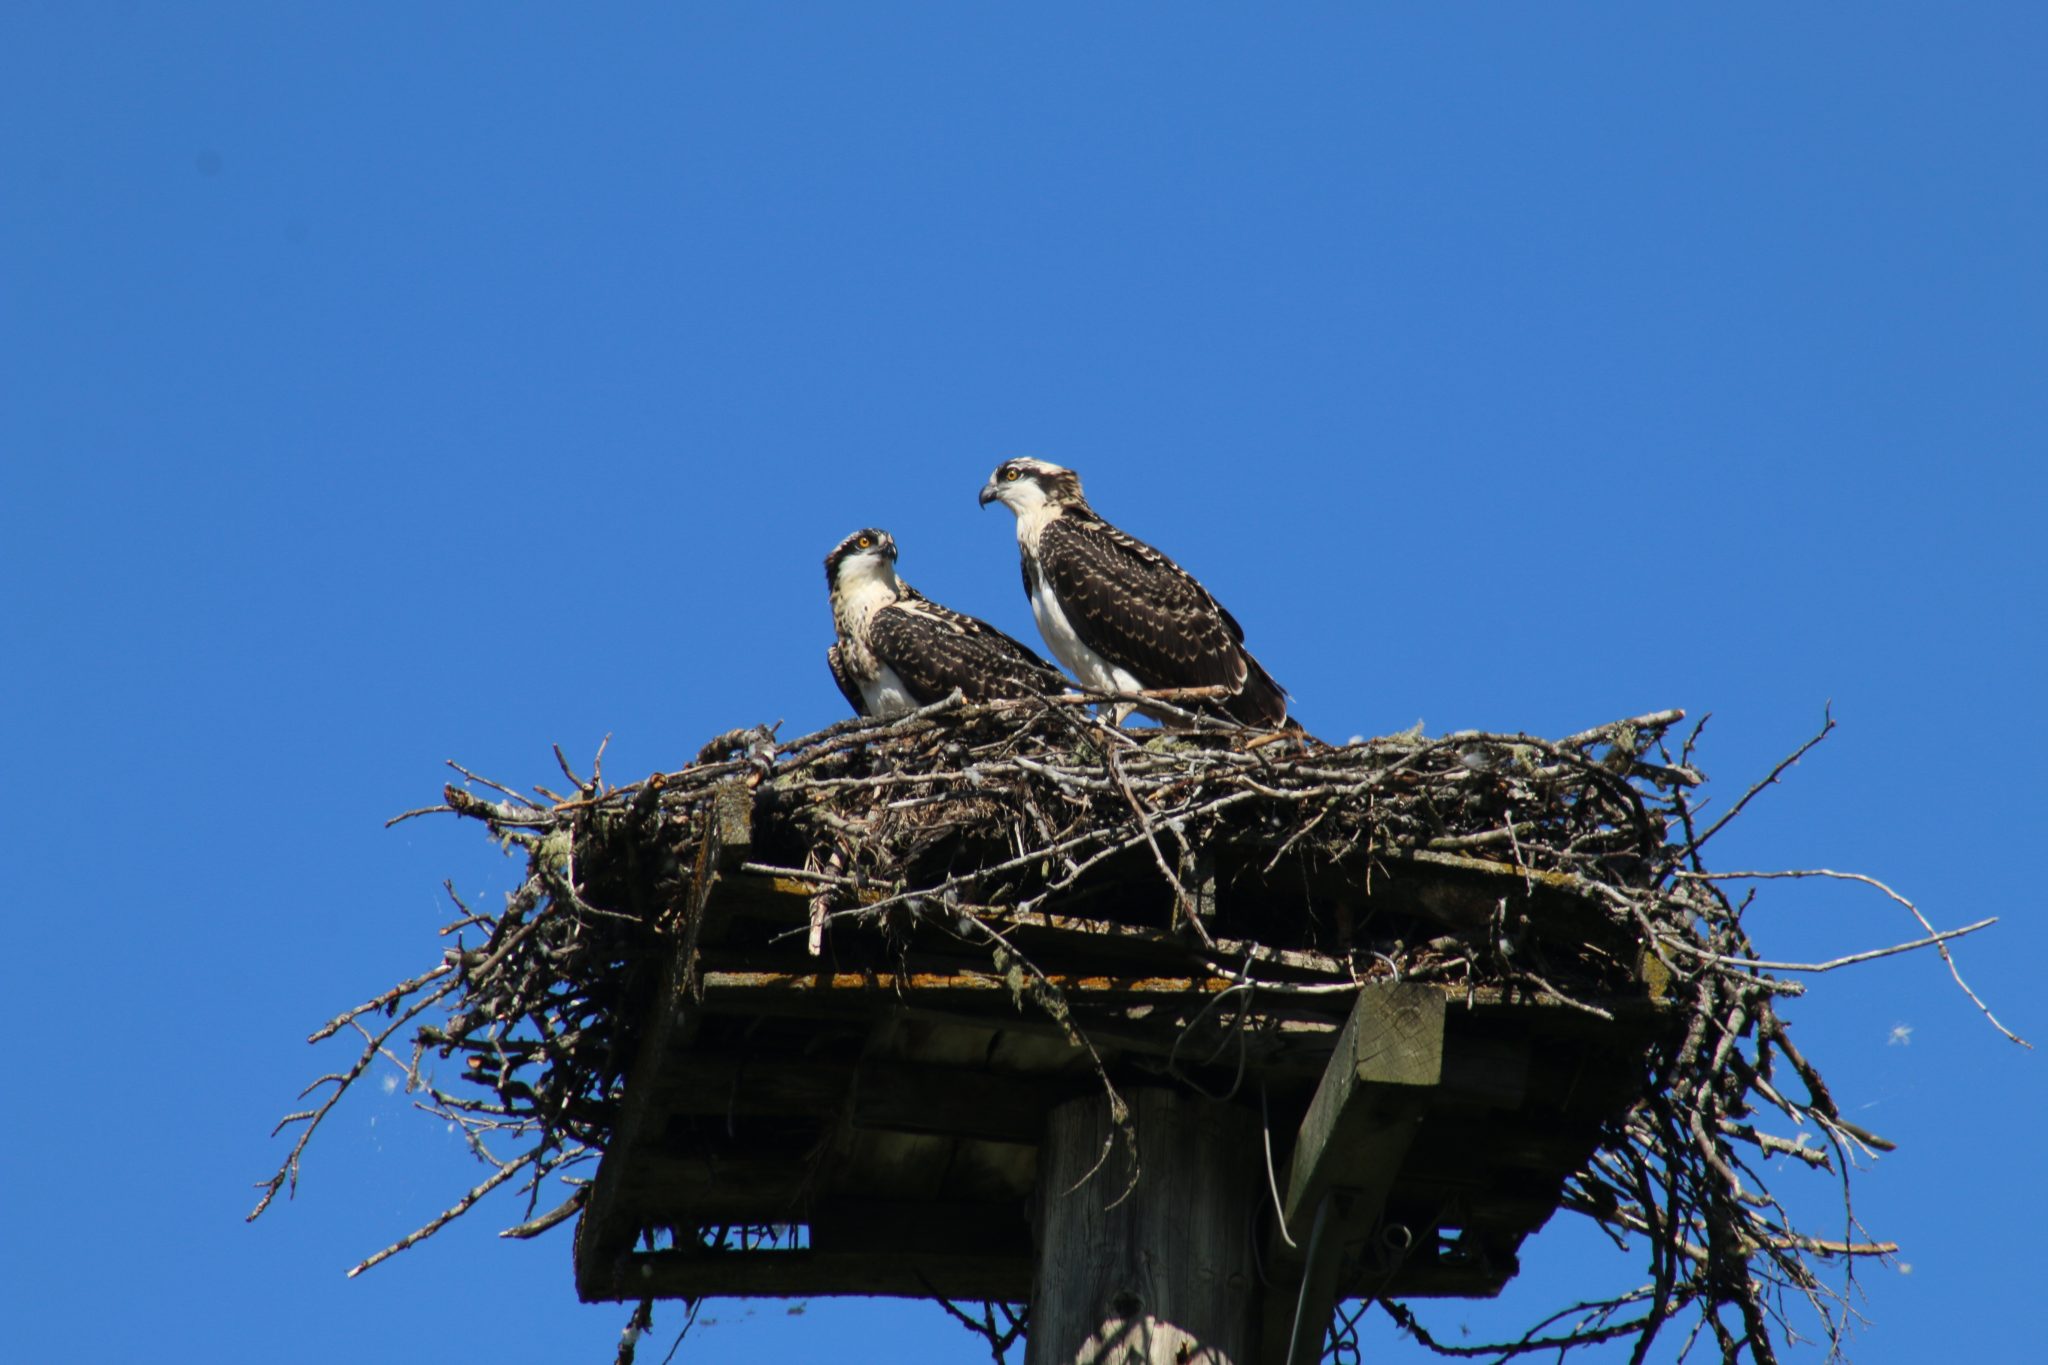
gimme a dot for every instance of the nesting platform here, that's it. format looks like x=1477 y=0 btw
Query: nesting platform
x=897 y=1008
x=868 y=1120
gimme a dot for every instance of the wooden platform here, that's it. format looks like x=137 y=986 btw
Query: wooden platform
x=882 y=1105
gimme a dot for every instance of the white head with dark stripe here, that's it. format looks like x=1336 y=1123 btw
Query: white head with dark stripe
x=864 y=559
x=1026 y=486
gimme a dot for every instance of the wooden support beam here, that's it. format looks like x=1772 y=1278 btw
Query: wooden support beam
x=609 y=1223
x=1482 y=1154
x=1485 y=1072
x=1387 y=1063
x=736 y=986
x=964 y=984
x=955 y=1101
x=807 y=1274
x=956 y=1274
x=1145 y=1265
x=922 y=1228
x=786 y=900
x=901 y=1097
x=1389 y=1055
x=1287 y=1032
x=723 y=1084
x=697 y=1191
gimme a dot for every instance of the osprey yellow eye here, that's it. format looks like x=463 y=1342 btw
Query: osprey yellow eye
x=1011 y=475
x=866 y=542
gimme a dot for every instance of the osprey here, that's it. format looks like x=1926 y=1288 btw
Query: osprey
x=1121 y=615
x=899 y=650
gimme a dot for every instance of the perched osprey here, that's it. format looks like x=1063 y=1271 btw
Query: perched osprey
x=1121 y=615
x=898 y=650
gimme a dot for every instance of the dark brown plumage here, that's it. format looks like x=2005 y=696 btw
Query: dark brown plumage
x=1120 y=614
x=898 y=649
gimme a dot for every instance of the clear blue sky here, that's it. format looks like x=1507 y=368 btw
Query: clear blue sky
x=392 y=383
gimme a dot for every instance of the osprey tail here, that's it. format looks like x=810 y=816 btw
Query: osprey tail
x=1261 y=702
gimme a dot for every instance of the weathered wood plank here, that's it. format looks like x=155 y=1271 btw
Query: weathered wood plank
x=1481 y=1153
x=955 y=1101
x=816 y=1274
x=789 y=992
x=696 y=1191
x=904 y=1097
x=786 y=900
x=722 y=1084
x=1484 y=1072
x=733 y=986
x=958 y=1275
x=897 y=1228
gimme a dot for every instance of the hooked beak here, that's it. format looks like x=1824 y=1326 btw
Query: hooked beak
x=989 y=492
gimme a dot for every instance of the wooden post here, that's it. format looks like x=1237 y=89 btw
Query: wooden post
x=1156 y=1273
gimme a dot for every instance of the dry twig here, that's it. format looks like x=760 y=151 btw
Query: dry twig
x=976 y=818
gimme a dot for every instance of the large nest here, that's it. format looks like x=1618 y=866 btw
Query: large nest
x=968 y=821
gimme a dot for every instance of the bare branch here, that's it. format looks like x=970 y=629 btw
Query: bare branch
x=974 y=834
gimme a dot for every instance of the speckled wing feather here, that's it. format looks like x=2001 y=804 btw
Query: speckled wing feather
x=1140 y=610
x=1137 y=608
x=934 y=650
x=847 y=687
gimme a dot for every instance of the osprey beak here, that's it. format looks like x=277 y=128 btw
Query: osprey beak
x=989 y=493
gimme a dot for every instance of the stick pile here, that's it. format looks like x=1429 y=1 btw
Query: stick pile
x=964 y=819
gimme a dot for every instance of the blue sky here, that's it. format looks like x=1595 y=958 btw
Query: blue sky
x=391 y=384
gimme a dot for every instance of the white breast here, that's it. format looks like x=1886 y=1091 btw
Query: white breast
x=861 y=595
x=887 y=696
x=1084 y=663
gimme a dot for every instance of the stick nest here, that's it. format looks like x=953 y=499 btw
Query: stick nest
x=965 y=820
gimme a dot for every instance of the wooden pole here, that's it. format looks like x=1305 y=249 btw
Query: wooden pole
x=1153 y=1273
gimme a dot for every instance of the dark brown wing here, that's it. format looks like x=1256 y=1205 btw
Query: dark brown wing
x=1137 y=608
x=1140 y=610
x=847 y=687
x=935 y=650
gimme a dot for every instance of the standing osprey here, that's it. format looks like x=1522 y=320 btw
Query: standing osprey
x=898 y=650
x=1121 y=615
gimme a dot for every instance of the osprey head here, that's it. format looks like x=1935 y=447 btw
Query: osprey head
x=867 y=553
x=1024 y=485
